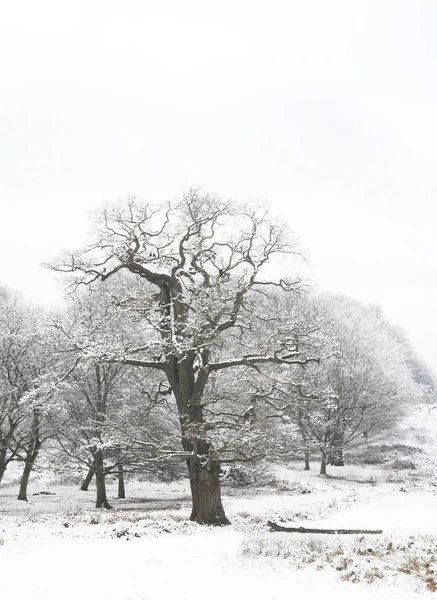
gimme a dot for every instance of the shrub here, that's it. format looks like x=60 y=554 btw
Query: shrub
x=401 y=464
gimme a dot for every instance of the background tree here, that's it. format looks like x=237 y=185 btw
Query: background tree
x=18 y=344
x=106 y=406
x=360 y=393
x=29 y=376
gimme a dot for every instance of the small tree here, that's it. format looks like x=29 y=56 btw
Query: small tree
x=94 y=387
x=41 y=406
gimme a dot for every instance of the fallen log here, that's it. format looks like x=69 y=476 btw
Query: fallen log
x=276 y=527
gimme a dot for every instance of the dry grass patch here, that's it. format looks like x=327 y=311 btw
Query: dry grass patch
x=365 y=559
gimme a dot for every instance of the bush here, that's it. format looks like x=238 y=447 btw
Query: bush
x=259 y=476
x=402 y=464
x=383 y=454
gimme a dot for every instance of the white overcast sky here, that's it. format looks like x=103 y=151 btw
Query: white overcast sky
x=327 y=109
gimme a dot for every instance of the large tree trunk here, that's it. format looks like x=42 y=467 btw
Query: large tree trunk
x=188 y=386
x=86 y=482
x=205 y=492
x=101 y=499
x=120 y=477
x=307 y=461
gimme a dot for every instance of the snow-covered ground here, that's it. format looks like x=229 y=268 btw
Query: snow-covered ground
x=58 y=546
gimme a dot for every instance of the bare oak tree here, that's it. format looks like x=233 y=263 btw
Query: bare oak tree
x=195 y=267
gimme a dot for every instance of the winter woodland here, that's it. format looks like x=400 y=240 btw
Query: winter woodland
x=190 y=352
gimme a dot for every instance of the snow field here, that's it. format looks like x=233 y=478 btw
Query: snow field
x=57 y=546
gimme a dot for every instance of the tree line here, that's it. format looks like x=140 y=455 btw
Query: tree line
x=185 y=340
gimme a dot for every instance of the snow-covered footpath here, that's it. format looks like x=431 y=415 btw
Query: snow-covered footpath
x=58 y=547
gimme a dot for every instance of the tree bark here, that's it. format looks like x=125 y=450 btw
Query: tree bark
x=277 y=527
x=101 y=397
x=323 y=464
x=2 y=463
x=101 y=499
x=204 y=467
x=28 y=466
x=31 y=454
x=307 y=461
x=206 y=494
x=86 y=482
x=120 y=477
